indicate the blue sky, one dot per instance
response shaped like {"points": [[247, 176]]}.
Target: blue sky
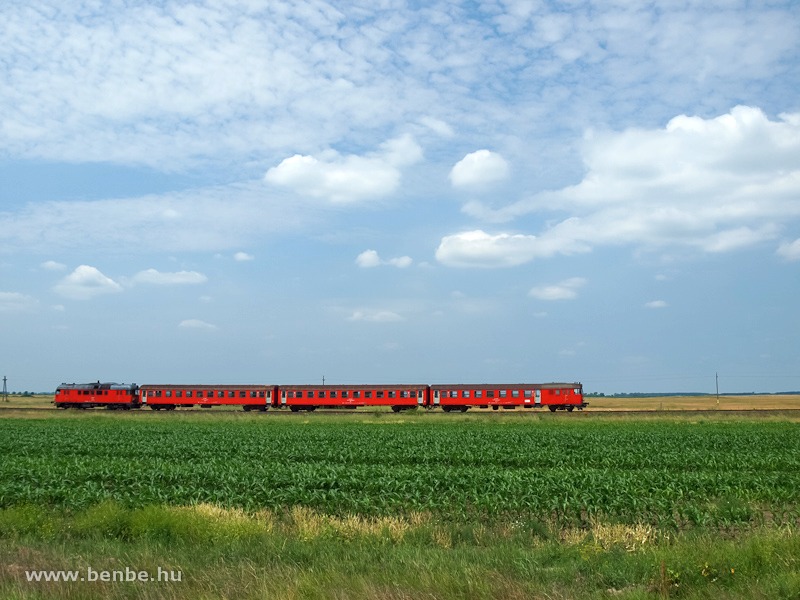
{"points": [[506, 190]]}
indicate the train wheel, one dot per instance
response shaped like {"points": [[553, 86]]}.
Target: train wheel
{"points": [[397, 409], [552, 408], [570, 408], [464, 408], [294, 408]]}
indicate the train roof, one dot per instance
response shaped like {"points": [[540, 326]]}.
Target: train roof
{"points": [[203, 386], [97, 386], [355, 386], [505, 386]]}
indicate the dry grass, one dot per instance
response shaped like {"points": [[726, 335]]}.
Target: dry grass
{"points": [[750, 402]]}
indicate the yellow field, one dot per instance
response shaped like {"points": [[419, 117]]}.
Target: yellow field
{"points": [[755, 402]]}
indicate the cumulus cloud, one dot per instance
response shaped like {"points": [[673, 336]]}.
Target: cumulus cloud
{"points": [[480, 249], [86, 282], [564, 290], [154, 277], [370, 259], [196, 324], [242, 257], [374, 316], [482, 166], [717, 184], [16, 302], [790, 250], [347, 179]]}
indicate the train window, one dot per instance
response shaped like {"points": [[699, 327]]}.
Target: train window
{"points": [[503, 393], [332, 393], [368, 394], [558, 392], [515, 393], [268, 394], [169, 394], [577, 391], [344, 393], [220, 394], [178, 394], [527, 393], [465, 394], [479, 393], [379, 394], [356, 394], [321, 394], [454, 394], [242, 394], [490, 393], [189, 393], [392, 394]]}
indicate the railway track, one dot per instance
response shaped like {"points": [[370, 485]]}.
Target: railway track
{"points": [[586, 413]]}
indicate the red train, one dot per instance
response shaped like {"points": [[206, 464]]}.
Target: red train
{"points": [[455, 397]]}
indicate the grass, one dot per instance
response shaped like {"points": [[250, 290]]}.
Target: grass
{"points": [[737, 546], [224, 553]]}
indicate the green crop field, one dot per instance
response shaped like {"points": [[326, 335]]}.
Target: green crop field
{"points": [[622, 501]]}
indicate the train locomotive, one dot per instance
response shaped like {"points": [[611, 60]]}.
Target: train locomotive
{"points": [[449, 398]]}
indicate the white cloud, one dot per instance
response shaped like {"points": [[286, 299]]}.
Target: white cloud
{"points": [[401, 262], [480, 249], [482, 166], [51, 265], [154, 277], [717, 184], [242, 257], [16, 302], [196, 324], [438, 126], [374, 316], [656, 304], [564, 290], [347, 179], [370, 259], [790, 250], [86, 282]]}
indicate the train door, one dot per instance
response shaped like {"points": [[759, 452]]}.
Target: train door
{"points": [[538, 397]]}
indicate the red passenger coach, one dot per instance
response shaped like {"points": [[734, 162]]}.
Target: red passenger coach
{"points": [[311, 397], [90, 395], [555, 396], [172, 396]]}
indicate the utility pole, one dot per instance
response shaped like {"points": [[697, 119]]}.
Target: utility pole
{"points": [[5, 389], [716, 376]]}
